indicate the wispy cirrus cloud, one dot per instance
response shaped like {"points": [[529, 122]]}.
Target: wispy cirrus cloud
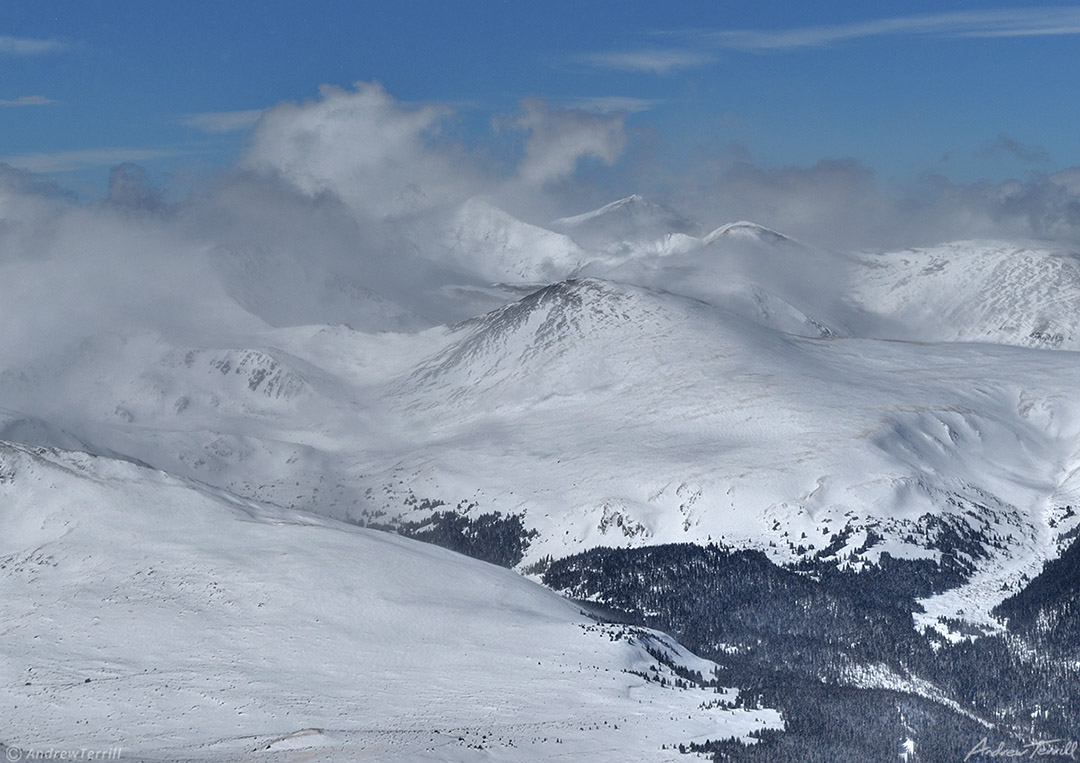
{"points": [[610, 104], [25, 100], [24, 46], [654, 61], [997, 23], [1006, 22], [68, 161], [222, 121]]}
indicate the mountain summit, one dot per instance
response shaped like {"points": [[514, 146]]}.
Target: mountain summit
{"points": [[624, 224]]}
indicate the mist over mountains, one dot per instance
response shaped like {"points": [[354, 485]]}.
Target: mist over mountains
{"points": [[229, 419]]}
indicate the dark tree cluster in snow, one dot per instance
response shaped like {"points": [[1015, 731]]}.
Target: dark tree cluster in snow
{"points": [[804, 640], [492, 537]]}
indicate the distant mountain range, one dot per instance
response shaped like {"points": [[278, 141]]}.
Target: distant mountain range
{"points": [[868, 446]]}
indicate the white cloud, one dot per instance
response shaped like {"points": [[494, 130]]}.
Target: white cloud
{"points": [[222, 121], [653, 61], [21, 46], [26, 100], [840, 203], [378, 156], [1009, 22], [559, 139]]}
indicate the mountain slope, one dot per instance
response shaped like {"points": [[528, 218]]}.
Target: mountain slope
{"points": [[620, 416], [184, 624], [975, 292], [604, 413], [753, 271], [484, 240], [627, 226]]}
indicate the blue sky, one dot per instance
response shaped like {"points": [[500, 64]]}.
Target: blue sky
{"points": [[966, 91]]}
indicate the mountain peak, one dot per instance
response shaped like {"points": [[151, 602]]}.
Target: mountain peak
{"points": [[489, 241], [624, 225], [624, 206], [745, 230]]}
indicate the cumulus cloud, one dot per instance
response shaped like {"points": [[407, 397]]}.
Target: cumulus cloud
{"points": [[19, 182], [559, 138], [833, 200], [840, 203], [69, 271], [384, 161], [1047, 207], [333, 216], [369, 150]]}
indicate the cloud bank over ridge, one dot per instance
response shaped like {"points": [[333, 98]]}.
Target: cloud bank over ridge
{"points": [[338, 204]]}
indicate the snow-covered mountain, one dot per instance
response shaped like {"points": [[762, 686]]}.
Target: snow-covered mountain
{"points": [[738, 392], [485, 240], [619, 382], [744, 230], [604, 413], [753, 271], [627, 226], [975, 291], [620, 416]]}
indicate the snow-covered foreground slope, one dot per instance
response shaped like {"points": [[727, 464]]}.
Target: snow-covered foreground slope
{"points": [[175, 622]]}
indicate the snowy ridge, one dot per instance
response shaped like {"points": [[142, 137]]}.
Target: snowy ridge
{"points": [[485, 240], [630, 203], [745, 230], [750, 270], [604, 413], [550, 334], [629, 218], [1018, 295], [653, 388], [630, 228]]}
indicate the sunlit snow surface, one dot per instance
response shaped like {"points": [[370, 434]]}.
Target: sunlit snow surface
{"points": [[621, 380], [606, 414], [144, 613]]}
